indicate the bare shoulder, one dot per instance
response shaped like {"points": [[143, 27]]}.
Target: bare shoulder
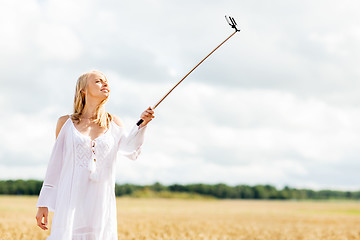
{"points": [[117, 120], [60, 123]]}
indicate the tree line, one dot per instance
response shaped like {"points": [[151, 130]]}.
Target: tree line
{"points": [[221, 190]]}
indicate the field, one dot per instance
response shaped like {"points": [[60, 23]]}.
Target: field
{"points": [[142, 219]]}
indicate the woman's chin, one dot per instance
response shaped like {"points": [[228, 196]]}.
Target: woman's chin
{"points": [[104, 96]]}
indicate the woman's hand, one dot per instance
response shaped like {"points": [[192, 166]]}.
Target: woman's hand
{"points": [[42, 213], [147, 116]]}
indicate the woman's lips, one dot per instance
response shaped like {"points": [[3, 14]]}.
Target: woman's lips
{"points": [[105, 90]]}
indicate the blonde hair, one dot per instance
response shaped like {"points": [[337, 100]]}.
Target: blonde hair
{"points": [[103, 118]]}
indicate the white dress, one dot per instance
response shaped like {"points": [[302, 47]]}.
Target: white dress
{"points": [[79, 186]]}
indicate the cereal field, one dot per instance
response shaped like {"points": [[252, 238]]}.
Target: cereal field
{"points": [[142, 219]]}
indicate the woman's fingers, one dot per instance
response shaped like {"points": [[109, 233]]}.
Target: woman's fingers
{"points": [[46, 218], [147, 115], [41, 225], [39, 217], [148, 112]]}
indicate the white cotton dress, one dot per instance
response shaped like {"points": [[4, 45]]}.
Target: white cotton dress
{"points": [[79, 185]]}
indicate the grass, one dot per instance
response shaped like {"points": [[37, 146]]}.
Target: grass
{"points": [[202, 219]]}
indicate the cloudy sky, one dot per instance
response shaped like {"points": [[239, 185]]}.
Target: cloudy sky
{"points": [[277, 104]]}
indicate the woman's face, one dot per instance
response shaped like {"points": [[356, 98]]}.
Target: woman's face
{"points": [[97, 86]]}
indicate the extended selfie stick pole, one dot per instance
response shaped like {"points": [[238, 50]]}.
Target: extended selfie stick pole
{"points": [[232, 23]]}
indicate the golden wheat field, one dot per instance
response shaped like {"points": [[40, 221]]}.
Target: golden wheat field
{"points": [[145, 219]]}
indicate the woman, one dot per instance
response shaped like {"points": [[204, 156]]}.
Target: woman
{"points": [[79, 186]]}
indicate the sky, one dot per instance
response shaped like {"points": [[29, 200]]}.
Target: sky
{"points": [[277, 104]]}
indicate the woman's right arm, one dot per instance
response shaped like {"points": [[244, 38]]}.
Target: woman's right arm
{"points": [[60, 123], [47, 197]]}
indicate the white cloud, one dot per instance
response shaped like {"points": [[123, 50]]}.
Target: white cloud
{"points": [[57, 42], [278, 103], [273, 132]]}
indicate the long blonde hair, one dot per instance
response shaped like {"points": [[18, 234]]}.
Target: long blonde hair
{"points": [[103, 118]]}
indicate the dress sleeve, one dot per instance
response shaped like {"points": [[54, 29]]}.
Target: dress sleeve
{"points": [[48, 192], [130, 144]]}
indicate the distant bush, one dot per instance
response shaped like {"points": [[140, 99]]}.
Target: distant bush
{"points": [[194, 191], [148, 193]]}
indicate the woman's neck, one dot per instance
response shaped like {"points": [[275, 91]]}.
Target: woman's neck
{"points": [[90, 109]]}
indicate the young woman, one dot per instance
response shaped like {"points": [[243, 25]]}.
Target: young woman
{"points": [[79, 185]]}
